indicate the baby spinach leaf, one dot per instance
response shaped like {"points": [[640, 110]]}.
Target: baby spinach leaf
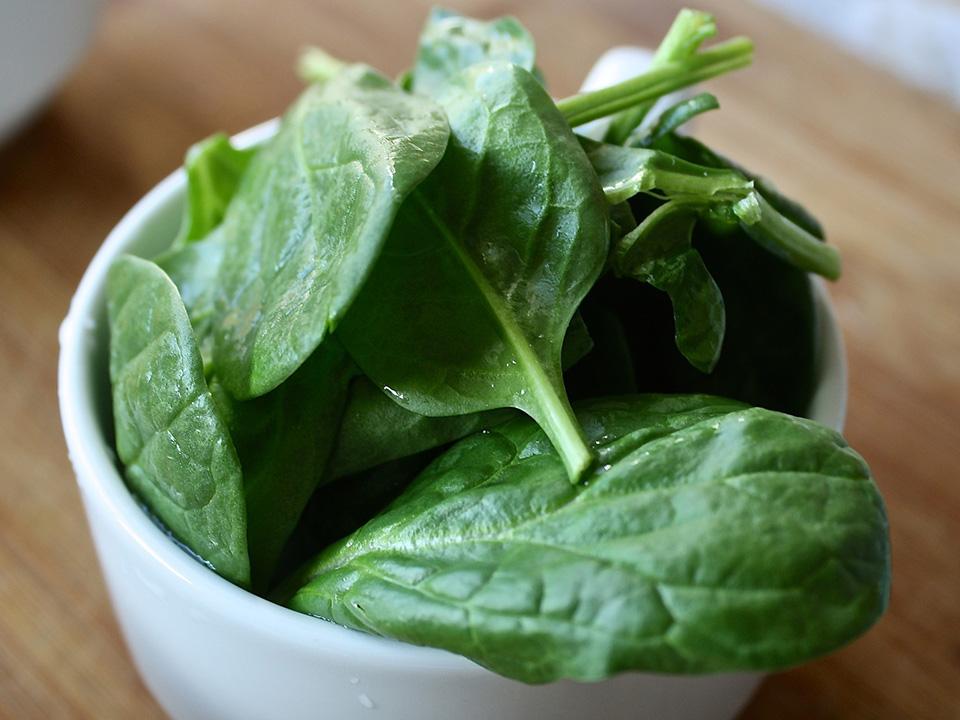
{"points": [[768, 356], [678, 114], [214, 169], [285, 439], [626, 171], [375, 429], [451, 42], [468, 305], [340, 507], [170, 435], [194, 269], [310, 217], [659, 252], [712, 537]]}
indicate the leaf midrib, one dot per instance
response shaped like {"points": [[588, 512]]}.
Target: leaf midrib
{"points": [[542, 386]]}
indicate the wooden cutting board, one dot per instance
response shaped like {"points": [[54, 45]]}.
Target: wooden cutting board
{"points": [[879, 163]]}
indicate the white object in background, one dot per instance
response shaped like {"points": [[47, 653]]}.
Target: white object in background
{"points": [[211, 651], [40, 40]]}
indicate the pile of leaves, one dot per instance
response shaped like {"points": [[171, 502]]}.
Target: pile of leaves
{"points": [[347, 383]]}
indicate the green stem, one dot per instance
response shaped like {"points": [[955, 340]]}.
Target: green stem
{"points": [[731, 55], [316, 66], [784, 238], [689, 29]]}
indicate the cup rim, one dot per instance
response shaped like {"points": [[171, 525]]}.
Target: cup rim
{"points": [[101, 483]]}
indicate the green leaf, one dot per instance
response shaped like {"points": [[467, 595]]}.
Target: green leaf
{"points": [[285, 440], [712, 538], [451, 42], [769, 346], [627, 171], [679, 114], [376, 429], [194, 269], [214, 170], [659, 252], [467, 308], [170, 434], [310, 218]]}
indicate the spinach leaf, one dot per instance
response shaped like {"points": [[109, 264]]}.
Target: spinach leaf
{"points": [[375, 429], [214, 169], [194, 269], [768, 356], [451, 42], [468, 305], [712, 537], [310, 217], [285, 440], [342, 506], [170, 435], [659, 252], [678, 114]]}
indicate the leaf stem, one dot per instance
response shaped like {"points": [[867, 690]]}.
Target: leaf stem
{"points": [[724, 57], [784, 238]]}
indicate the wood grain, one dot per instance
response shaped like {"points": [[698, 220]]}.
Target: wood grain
{"points": [[879, 163]]}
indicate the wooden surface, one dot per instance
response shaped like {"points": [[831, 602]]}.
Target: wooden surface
{"points": [[880, 165]]}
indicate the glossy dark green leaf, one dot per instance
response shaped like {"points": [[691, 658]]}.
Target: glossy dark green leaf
{"points": [[310, 218], [376, 429], [467, 308], [285, 440], [659, 252], [678, 114], [170, 434], [451, 42], [713, 537], [214, 169], [769, 348]]}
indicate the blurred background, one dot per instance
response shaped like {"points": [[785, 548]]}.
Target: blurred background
{"points": [[851, 106]]}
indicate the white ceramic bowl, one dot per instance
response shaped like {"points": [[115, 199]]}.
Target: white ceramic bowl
{"points": [[40, 40], [211, 651]]}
